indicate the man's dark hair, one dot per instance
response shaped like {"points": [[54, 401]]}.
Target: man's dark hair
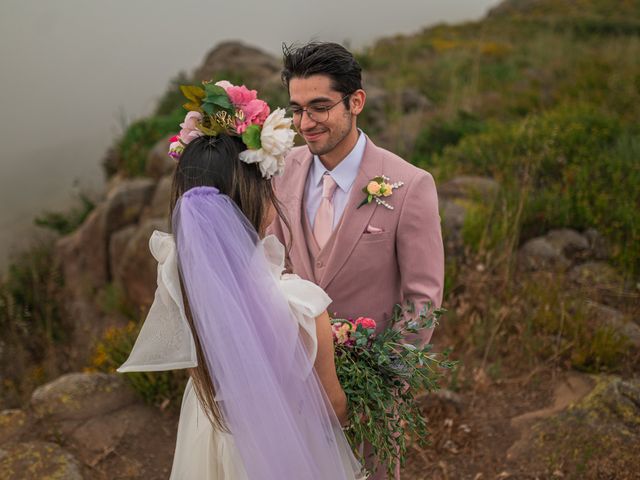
{"points": [[323, 58]]}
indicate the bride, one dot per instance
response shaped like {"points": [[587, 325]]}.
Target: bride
{"points": [[263, 400]]}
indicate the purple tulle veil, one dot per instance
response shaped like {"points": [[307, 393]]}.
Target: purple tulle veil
{"points": [[268, 392]]}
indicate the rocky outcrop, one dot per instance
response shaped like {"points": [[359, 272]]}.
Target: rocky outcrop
{"points": [[38, 460], [86, 425], [250, 63], [594, 438]]}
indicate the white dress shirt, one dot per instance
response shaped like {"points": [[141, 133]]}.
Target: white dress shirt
{"points": [[344, 174]]}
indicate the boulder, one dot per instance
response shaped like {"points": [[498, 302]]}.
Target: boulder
{"points": [[596, 275], [83, 256], [125, 203], [453, 214], [12, 424], [250, 63], [159, 163], [137, 271], [38, 460], [568, 242], [412, 100], [79, 396], [105, 432], [616, 320], [159, 206], [600, 248], [540, 254], [597, 437], [469, 187], [117, 245]]}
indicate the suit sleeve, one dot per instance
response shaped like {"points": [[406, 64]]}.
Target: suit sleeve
{"points": [[419, 247]]}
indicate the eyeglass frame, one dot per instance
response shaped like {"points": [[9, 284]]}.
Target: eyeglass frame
{"points": [[325, 110]]}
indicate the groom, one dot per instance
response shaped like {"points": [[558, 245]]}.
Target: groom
{"points": [[369, 258]]}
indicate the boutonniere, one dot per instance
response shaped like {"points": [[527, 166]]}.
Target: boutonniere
{"points": [[379, 188]]}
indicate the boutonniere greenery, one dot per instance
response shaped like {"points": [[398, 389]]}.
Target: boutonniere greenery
{"points": [[378, 189]]}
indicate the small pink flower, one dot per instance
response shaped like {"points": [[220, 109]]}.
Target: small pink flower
{"points": [[368, 323], [189, 127], [255, 113], [240, 95]]}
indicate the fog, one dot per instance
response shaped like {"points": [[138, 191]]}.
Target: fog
{"points": [[73, 73]]}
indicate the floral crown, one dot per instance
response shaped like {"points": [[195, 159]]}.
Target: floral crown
{"points": [[221, 107]]}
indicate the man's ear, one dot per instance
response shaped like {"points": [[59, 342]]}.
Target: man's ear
{"points": [[357, 100]]}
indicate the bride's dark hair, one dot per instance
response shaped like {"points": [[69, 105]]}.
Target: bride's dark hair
{"points": [[213, 162]]}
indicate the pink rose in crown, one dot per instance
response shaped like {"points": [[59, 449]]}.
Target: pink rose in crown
{"points": [[189, 127], [368, 323], [255, 111]]}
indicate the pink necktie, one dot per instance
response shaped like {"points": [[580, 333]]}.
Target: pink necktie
{"points": [[323, 224]]}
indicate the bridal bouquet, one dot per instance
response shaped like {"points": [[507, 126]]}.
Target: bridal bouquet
{"points": [[381, 374]]}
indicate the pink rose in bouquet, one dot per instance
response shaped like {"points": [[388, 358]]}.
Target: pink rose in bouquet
{"points": [[368, 323]]}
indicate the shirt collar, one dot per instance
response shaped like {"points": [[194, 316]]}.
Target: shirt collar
{"points": [[346, 171]]}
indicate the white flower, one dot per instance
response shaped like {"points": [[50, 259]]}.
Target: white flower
{"points": [[276, 138]]}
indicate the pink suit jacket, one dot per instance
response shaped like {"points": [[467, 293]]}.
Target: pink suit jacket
{"points": [[380, 257]]}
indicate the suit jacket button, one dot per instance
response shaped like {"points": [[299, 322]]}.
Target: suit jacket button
{"points": [[319, 264]]}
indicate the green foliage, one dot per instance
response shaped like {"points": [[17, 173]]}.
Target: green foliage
{"points": [[64, 223], [134, 146], [31, 323], [441, 133], [157, 388], [251, 137], [561, 327], [573, 167]]}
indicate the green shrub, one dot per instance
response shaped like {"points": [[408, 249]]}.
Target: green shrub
{"points": [[32, 326], [574, 166], [65, 223], [157, 388], [134, 146]]}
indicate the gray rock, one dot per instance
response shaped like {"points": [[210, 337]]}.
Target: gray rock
{"points": [[80, 396], [126, 201], [248, 62], [159, 206], [470, 187], [568, 242], [137, 271], [596, 275], [37, 461], [159, 163], [600, 248], [412, 100], [12, 424], [540, 254], [104, 433], [597, 437], [117, 245], [453, 214], [616, 320]]}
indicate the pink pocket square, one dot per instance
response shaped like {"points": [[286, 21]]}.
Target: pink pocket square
{"points": [[372, 229]]}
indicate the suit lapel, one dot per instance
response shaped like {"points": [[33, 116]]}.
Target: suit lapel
{"points": [[355, 220], [294, 205]]}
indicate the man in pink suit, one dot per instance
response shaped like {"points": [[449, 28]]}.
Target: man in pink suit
{"points": [[370, 258]]}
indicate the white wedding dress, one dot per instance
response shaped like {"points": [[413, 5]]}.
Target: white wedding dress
{"points": [[165, 342]]}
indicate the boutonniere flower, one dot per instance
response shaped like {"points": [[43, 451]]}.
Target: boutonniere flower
{"points": [[379, 188]]}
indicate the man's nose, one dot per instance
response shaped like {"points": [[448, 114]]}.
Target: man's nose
{"points": [[306, 121]]}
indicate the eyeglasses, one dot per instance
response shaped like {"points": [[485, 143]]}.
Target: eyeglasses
{"points": [[316, 113]]}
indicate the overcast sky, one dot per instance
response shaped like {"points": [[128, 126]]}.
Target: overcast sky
{"points": [[72, 70]]}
